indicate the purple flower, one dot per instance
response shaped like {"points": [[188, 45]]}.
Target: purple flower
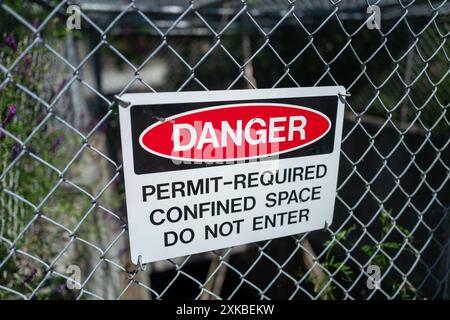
{"points": [[56, 143], [36, 22], [15, 150], [10, 115], [31, 149], [23, 68], [11, 42], [102, 127], [30, 276], [117, 181], [61, 287], [26, 62]]}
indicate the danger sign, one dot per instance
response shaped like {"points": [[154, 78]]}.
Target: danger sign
{"points": [[215, 169]]}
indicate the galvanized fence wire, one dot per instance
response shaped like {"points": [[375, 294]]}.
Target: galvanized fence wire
{"points": [[322, 276]]}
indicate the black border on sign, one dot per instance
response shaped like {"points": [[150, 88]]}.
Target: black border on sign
{"points": [[142, 116]]}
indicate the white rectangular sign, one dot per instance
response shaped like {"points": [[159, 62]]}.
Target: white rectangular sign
{"points": [[214, 169]]}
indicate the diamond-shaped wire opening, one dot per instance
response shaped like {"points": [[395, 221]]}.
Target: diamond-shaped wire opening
{"points": [[22, 177], [97, 286], [22, 276], [67, 204], [106, 227], [189, 277]]}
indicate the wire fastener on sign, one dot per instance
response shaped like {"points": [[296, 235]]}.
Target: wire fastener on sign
{"points": [[141, 266], [345, 94], [122, 103]]}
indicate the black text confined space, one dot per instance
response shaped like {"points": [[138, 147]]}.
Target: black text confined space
{"points": [[200, 210]]}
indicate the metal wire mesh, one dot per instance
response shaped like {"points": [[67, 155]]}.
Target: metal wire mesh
{"points": [[61, 187]]}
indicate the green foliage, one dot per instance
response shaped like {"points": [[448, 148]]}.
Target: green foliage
{"points": [[22, 116], [331, 263], [333, 266], [343, 271]]}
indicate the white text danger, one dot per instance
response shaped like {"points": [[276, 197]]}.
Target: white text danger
{"points": [[278, 129]]}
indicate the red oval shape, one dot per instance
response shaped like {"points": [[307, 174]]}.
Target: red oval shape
{"points": [[235, 132]]}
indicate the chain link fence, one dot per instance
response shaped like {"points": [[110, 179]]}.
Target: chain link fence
{"points": [[63, 231]]}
